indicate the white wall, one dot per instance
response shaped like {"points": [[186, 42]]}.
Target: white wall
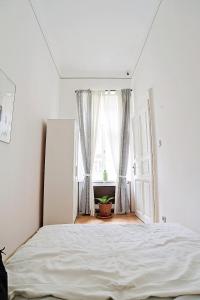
{"points": [[170, 66], [68, 87], [25, 59]]}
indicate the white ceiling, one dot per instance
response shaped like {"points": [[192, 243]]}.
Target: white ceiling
{"points": [[95, 38]]}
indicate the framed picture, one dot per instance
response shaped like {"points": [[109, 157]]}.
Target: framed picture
{"points": [[7, 98]]}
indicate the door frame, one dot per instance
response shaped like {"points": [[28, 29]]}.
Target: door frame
{"points": [[154, 154]]}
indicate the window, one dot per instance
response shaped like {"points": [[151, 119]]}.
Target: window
{"points": [[103, 158], [108, 134], [107, 142]]}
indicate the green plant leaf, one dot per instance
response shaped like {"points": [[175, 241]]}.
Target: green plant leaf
{"points": [[111, 198], [104, 199]]}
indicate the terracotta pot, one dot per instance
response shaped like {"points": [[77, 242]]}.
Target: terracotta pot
{"points": [[105, 209]]}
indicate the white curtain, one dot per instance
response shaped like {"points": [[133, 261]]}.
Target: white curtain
{"points": [[112, 109], [96, 98], [122, 204], [84, 105]]}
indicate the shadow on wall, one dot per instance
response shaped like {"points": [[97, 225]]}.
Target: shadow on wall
{"points": [[42, 168]]}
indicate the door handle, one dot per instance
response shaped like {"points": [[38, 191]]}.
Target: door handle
{"points": [[134, 168]]}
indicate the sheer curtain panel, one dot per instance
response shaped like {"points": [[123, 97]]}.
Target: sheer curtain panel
{"points": [[94, 128], [122, 204], [88, 114], [84, 107], [112, 108]]}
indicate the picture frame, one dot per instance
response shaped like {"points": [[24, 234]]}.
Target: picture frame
{"points": [[7, 99]]}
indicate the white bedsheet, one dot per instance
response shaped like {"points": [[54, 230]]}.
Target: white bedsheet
{"points": [[152, 298], [95, 262]]}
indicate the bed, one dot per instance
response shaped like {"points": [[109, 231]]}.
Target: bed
{"points": [[99, 262]]}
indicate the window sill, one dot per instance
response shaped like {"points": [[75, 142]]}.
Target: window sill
{"points": [[104, 183]]}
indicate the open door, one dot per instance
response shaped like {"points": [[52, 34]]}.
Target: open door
{"points": [[143, 165]]}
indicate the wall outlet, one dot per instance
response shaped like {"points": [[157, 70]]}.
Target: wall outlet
{"points": [[164, 219]]}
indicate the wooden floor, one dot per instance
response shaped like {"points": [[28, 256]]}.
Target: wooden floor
{"points": [[116, 219]]}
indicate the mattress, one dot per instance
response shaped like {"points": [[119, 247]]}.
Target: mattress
{"points": [[99, 262], [152, 298]]}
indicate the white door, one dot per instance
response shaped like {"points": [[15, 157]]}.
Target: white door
{"points": [[143, 173]]}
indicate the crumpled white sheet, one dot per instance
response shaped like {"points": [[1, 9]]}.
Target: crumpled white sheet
{"points": [[98, 262], [152, 298]]}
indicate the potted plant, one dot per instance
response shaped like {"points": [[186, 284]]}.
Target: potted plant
{"points": [[105, 206]]}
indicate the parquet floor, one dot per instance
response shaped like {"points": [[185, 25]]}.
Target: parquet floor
{"points": [[116, 219]]}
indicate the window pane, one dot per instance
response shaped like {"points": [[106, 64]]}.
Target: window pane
{"points": [[103, 156]]}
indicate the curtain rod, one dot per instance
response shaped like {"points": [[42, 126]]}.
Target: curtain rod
{"points": [[100, 90]]}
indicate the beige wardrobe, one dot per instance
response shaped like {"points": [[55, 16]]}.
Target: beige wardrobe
{"points": [[60, 185]]}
